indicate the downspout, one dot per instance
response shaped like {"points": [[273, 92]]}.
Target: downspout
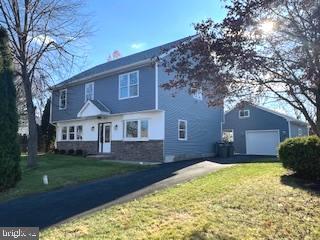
{"points": [[289, 128], [156, 86]]}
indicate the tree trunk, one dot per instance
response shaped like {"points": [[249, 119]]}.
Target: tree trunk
{"points": [[32, 125], [317, 125]]}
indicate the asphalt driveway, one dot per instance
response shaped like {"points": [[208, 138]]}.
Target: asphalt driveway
{"points": [[47, 209]]}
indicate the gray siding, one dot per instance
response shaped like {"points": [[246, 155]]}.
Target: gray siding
{"points": [[258, 120], [294, 129], [204, 123], [106, 90]]}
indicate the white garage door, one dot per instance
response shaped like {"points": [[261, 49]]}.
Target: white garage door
{"points": [[262, 142]]}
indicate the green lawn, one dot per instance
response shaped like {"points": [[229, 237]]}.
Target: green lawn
{"points": [[250, 201], [63, 170]]}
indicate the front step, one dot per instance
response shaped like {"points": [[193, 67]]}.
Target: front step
{"points": [[106, 156]]}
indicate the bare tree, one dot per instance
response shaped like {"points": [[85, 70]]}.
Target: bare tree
{"points": [[262, 49], [45, 36]]}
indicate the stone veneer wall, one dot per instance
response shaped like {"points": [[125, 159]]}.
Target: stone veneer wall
{"points": [[146, 151], [90, 147]]}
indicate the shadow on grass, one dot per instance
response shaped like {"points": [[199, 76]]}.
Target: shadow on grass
{"points": [[295, 181], [236, 159]]}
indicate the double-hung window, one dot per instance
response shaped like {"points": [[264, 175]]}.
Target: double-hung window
{"points": [[79, 132], [136, 129], [182, 130], [63, 99], [71, 133], [129, 85], [64, 133], [89, 91]]}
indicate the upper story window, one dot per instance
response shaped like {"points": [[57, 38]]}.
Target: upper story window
{"points": [[129, 85], [89, 91], [63, 99], [182, 130], [198, 95], [136, 129], [244, 113]]}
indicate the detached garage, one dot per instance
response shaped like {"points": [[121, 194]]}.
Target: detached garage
{"points": [[256, 130]]}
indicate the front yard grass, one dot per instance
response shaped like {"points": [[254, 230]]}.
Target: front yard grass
{"points": [[250, 201], [63, 170]]}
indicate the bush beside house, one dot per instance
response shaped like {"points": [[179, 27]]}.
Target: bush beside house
{"points": [[302, 155], [10, 172]]}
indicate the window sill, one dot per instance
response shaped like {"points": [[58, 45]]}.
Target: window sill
{"points": [[128, 97]]}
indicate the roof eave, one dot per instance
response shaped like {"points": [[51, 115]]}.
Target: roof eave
{"points": [[102, 74]]}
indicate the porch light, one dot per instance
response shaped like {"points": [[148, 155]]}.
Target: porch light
{"points": [[116, 127], [92, 128]]}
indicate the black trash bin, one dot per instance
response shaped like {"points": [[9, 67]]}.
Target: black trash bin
{"points": [[230, 149], [222, 150]]}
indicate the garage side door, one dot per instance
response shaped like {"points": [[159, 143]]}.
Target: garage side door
{"points": [[262, 142]]}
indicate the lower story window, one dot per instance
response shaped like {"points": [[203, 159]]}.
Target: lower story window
{"points": [[182, 130], [71, 133], [136, 129], [228, 135], [64, 133], [79, 132]]}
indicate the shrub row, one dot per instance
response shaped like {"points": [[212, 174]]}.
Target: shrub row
{"points": [[302, 155], [77, 152]]}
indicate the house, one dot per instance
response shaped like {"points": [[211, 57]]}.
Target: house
{"points": [[120, 109], [257, 130]]}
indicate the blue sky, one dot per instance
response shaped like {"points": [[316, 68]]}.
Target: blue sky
{"points": [[133, 26]]}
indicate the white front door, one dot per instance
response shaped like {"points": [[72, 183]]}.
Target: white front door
{"points": [[105, 138], [262, 142]]}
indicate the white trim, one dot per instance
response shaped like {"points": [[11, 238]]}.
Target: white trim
{"points": [[244, 110], [106, 116], [103, 74], [99, 112], [269, 130], [66, 98], [186, 130], [138, 138], [128, 85], [85, 91], [156, 85]]}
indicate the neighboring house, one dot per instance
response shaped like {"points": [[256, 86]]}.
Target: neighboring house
{"points": [[119, 108], [257, 130]]}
